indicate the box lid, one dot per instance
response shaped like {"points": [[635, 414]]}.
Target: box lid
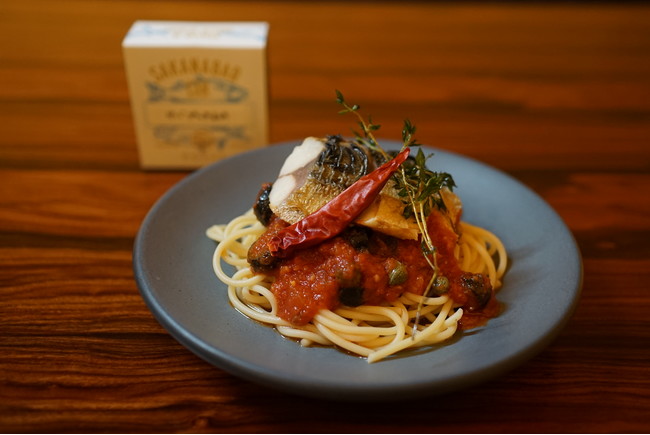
{"points": [[234, 34]]}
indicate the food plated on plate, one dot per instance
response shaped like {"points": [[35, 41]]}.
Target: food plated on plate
{"points": [[360, 248]]}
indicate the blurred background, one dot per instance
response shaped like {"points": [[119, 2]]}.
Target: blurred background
{"points": [[482, 79]]}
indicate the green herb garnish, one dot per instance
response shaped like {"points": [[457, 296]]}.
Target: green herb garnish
{"points": [[417, 186]]}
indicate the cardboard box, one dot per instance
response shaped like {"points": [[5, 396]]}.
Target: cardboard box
{"points": [[198, 90]]}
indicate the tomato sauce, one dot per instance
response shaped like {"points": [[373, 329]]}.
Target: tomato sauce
{"points": [[474, 319], [318, 277], [313, 278]]}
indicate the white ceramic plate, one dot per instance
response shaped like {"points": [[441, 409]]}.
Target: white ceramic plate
{"points": [[172, 266]]}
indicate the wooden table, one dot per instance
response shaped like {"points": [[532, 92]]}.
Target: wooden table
{"points": [[556, 95]]}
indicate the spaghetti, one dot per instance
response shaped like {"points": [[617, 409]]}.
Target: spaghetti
{"points": [[374, 332]]}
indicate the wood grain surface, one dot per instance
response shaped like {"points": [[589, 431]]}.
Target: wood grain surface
{"points": [[555, 94]]}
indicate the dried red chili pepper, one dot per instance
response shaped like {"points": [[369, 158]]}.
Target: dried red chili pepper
{"points": [[331, 219]]}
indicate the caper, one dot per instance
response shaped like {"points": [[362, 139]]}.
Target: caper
{"points": [[441, 285], [398, 274]]}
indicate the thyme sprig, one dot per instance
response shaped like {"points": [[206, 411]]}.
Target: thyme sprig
{"points": [[417, 185], [367, 127]]}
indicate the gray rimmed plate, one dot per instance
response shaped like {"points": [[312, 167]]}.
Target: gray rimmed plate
{"points": [[172, 266]]}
